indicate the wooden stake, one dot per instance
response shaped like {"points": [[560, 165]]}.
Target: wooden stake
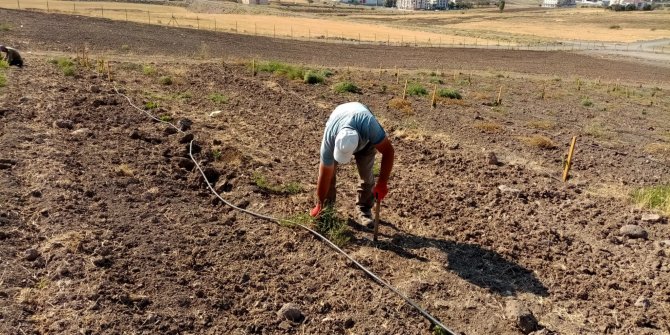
{"points": [[380, 71], [253, 67], [544, 87], [397, 75], [109, 71], [433, 102], [376, 231], [499, 93], [404, 91], [568, 163]]}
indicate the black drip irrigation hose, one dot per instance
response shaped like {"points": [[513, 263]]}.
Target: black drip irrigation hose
{"points": [[438, 326]]}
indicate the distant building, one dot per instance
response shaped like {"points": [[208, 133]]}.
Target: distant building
{"points": [[638, 3], [255, 2], [421, 4], [372, 2], [410, 4], [558, 3]]}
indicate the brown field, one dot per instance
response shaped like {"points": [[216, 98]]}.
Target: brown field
{"points": [[106, 226], [481, 27]]}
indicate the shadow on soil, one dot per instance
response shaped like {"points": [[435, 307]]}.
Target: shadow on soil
{"points": [[481, 267]]}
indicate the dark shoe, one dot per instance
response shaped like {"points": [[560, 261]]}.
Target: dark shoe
{"points": [[365, 218]]}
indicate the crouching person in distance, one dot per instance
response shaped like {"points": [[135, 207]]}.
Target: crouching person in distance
{"points": [[12, 56], [352, 130]]}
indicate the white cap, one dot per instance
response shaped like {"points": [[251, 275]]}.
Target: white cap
{"points": [[346, 143]]}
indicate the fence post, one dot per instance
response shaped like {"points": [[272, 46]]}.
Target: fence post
{"points": [[149, 14], [197, 19], [47, 6], [18, 4], [126, 14], [102, 11], [215, 25]]}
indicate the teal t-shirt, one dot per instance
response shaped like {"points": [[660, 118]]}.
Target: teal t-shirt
{"points": [[352, 115]]}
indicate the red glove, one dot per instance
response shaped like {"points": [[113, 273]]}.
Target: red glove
{"points": [[315, 211], [380, 191]]}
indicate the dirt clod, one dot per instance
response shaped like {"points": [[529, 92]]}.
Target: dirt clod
{"points": [[492, 159], [650, 217], [186, 138], [184, 124], [643, 302], [291, 312], [31, 255], [67, 124], [522, 316], [633, 231], [184, 163], [349, 323]]}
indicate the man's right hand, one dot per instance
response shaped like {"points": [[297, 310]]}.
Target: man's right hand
{"points": [[315, 211]]}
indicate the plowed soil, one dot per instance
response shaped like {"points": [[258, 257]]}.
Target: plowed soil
{"points": [[107, 228]]}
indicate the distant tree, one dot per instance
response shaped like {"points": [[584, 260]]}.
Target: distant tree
{"points": [[389, 3], [501, 5]]}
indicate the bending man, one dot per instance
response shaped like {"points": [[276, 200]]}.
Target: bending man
{"points": [[352, 130]]}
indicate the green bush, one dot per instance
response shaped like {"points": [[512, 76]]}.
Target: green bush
{"points": [[654, 197], [218, 98], [333, 227], [436, 80], [586, 102], [5, 27], [416, 89], [66, 65], [151, 105], [165, 80], [266, 186], [327, 73], [69, 71], [148, 70], [346, 86], [3, 64], [3, 80], [165, 118], [312, 77], [449, 93], [286, 70]]}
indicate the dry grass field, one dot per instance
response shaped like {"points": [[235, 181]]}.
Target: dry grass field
{"points": [[481, 27]]}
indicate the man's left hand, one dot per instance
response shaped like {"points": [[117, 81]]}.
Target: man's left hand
{"points": [[380, 190]]}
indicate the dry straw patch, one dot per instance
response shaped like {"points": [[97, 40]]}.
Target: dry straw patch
{"points": [[539, 141], [401, 105], [542, 124], [488, 127], [609, 190], [658, 148]]}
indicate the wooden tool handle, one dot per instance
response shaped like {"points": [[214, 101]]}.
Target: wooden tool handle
{"points": [[377, 205]]}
